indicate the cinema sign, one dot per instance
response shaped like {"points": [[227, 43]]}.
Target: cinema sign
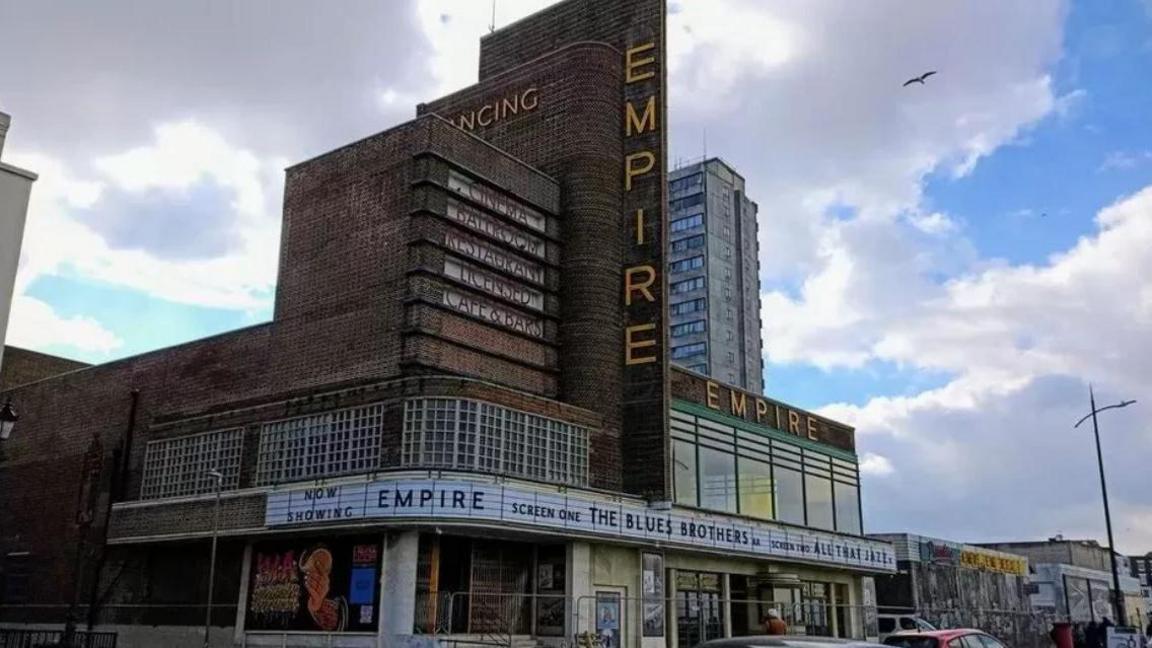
{"points": [[457, 499]]}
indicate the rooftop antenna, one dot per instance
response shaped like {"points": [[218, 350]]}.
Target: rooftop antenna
{"points": [[705, 144], [492, 25]]}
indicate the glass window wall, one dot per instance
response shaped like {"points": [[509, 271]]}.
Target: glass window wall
{"points": [[721, 467]]}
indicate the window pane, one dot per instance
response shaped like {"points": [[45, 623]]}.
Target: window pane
{"points": [[684, 471], [717, 480], [973, 641], [789, 496], [472, 435], [989, 642], [755, 489], [819, 493], [847, 508], [179, 466]]}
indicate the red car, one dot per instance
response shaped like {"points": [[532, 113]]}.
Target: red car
{"points": [[960, 638]]}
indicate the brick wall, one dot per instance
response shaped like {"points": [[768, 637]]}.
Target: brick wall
{"points": [[21, 366], [575, 136]]}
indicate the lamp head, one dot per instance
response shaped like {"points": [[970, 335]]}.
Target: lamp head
{"points": [[8, 418]]}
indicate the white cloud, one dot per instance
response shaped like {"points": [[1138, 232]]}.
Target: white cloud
{"points": [[1124, 160], [453, 29], [34, 324], [876, 465], [934, 223], [1021, 341], [61, 239]]}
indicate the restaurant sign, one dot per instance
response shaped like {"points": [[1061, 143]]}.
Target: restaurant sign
{"points": [[565, 513]]}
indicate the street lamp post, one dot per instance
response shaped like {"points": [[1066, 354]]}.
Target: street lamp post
{"points": [[8, 418], [1118, 601], [219, 477]]}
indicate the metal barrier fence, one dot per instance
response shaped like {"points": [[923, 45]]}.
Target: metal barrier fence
{"points": [[20, 638], [558, 620]]}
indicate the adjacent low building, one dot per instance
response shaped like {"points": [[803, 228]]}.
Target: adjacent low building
{"points": [[15, 192], [956, 585], [1073, 580], [1140, 568]]}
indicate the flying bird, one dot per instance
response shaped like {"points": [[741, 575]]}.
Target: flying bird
{"points": [[919, 79]]}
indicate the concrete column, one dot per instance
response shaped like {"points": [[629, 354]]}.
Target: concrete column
{"points": [[398, 585], [726, 603], [581, 609], [242, 608]]}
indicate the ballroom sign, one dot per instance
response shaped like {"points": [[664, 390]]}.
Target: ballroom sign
{"points": [[565, 513]]}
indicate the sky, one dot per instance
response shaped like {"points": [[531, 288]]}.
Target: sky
{"points": [[946, 267]]}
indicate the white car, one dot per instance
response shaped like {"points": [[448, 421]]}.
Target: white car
{"points": [[890, 623]]}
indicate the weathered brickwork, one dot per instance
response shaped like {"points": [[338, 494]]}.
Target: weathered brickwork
{"points": [[21, 366], [574, 135]]}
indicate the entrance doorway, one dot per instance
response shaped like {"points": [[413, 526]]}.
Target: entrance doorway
{"points": [[489, 587], [699, 608]]}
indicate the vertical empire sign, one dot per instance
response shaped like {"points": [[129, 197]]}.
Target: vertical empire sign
{"points": [[643, 221]]}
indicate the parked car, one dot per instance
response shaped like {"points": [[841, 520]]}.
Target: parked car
{"points": [[959, 638], [892, 623], [786, 641]]}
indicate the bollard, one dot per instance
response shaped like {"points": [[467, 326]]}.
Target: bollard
{"points": [[1062, 634]]}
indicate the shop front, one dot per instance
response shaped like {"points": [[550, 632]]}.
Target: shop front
{"points": [[487, 559]]}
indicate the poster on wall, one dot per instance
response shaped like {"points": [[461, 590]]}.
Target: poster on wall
{"points": [[320, 585], [652, 571], [608, 619], [550, 586], [1079, 601], [1101, 600], [871, 619]]}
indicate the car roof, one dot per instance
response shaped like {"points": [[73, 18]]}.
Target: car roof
{"points": [[946, 635], [786, 641]]}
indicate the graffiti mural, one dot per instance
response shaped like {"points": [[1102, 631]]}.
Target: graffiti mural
{"points": [[317, 585]]}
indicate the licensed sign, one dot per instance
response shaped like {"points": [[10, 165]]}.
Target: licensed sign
{"points": [[459, 499]]}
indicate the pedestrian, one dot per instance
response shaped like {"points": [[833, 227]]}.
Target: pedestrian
{"points": [[1104, 625], [1092, 635], [773, 624], [1079, 639]]}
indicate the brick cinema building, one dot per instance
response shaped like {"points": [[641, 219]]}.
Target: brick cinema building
{"points": [[461, 419]]}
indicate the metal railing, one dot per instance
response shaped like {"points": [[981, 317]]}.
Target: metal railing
{"points": [[499, 619], [27, 638]]}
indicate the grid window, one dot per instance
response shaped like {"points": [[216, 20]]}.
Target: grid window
{"points": [[473, 435], [688, 285], [690, 243], [321, 445], [688, 328], [690, 306], [177, 467], [693, 181], [687, 223], [687, 350], [686, 202], [690, 263]]}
